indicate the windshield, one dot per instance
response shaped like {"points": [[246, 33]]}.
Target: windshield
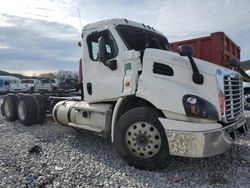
{"points": [[27, 81], [140, 39], [1, 82]]}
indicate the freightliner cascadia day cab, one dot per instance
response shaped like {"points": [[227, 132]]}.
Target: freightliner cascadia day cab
{"points": [[151, 101]]}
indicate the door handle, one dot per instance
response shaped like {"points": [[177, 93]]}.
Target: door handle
{"points": [[89, 88]]}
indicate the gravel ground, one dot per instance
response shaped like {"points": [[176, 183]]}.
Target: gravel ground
{"points": [[51, 155]]}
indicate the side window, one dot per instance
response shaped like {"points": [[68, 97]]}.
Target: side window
{"points": [[94, 49], [111, 46], [6, 83]]}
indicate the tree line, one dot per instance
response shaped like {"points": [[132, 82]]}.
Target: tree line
{"points": [[61, 75]]}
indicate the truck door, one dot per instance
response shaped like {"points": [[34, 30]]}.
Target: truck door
{"points": [[100, 82]]}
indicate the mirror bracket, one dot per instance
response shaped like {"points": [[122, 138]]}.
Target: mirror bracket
{"points": [[187, 50], [112, 64], [234, 63]]}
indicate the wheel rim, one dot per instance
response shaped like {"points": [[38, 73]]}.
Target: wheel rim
{"points": [[143, 139], [246, 103], [7, 107], [21, 110]]}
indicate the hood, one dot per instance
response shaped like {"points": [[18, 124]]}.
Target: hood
{"points": [[177, 60]]}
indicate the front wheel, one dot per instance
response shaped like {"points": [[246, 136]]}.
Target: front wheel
{"points": [[140, 139]]}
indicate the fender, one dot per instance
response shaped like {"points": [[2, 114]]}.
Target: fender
{"points": [[114, 116]]}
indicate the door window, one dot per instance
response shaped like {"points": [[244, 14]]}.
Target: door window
{"points": [[111, 46]]}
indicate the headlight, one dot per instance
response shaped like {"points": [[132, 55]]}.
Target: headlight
{"points": [[198, 107]]}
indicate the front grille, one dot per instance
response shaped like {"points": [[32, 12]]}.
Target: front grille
{"points": [[234, 106]]}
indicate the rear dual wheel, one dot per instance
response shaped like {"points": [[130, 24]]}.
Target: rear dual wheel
{"points": [[31, 109], [8, 108], [140, 139], [28, 109], [40, 101]]}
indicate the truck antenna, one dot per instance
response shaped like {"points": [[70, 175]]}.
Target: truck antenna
{"points": [[79, 18]]}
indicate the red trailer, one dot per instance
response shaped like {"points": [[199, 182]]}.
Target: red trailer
{"points": [[217, 48]]}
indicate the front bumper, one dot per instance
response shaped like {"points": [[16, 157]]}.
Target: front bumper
{"points": [[201, 143]]}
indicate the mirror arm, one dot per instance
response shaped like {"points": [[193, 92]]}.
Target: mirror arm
{"points": [[112, 64], [105, 63], [197, 76]]}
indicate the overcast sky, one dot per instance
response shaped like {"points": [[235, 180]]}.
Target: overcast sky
{"points": [[42, 35]]}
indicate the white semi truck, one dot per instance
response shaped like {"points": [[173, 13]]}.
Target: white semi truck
{"points": [[152, 102]]}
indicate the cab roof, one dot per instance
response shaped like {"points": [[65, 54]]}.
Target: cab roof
{"points": [[118, 21]]}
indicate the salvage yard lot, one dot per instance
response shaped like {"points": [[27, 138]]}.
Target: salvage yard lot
{"points": [[51, 155]]}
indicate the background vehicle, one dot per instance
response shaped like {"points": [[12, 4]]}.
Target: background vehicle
{"points": [[26, 86], [151, 101], [47, 85], [69, 84], [5, 82], [219, 49]]}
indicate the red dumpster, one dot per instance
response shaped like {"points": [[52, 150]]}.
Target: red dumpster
{"points": [[217, 48]]}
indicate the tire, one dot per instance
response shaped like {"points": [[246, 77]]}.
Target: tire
{"points": [[53, 103], [26, 110], [8, 108], [40, 108], [246, 100], [140, 139]]}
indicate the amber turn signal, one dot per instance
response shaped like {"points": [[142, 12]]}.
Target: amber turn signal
{"points": [[127, 84]]}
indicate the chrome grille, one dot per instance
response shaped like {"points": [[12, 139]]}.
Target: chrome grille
{"points": [[234, 101]]}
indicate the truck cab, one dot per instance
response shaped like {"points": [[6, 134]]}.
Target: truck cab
{"points": [[150, 101], [153, 102]]}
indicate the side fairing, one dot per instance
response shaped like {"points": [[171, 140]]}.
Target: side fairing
{"points": [[166, 91]]}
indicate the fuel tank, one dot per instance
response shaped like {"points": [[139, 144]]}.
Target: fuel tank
{"points": [[83, 115]]}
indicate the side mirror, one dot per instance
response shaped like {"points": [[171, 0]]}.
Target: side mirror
{"points": [[79, 44], [102, 56], [234, 63], [186, 50]]}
